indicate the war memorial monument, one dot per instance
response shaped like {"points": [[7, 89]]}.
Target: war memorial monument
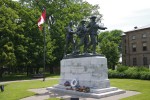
{"points": [[84, 73]]}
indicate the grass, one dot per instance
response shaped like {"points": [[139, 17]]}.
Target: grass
{"points": [[142, 86], [18, 90]]}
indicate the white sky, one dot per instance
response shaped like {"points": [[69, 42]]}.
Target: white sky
{"points": [[124, 14]]}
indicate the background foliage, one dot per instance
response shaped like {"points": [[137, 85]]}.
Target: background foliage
{"points": [[21, 43], [130, 72], [109, 43]]}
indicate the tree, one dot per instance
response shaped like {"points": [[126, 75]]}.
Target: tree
{"points": [[110, 50], [21, 41], [8, 27], [63, 11], [109, 43]]}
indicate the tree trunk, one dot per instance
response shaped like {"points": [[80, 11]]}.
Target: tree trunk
{"points": [[1, 72], [1, 76], [51, 70], [27, 70], [37, 70], [113, 67]]}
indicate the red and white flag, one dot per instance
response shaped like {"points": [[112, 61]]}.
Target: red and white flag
{"points": [[42, 19]]}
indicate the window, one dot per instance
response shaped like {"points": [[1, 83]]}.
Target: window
{"points": [[144, 46], [134, 62], [143, 35], [134, 47], [125, 40], [145, 61], [133, 37]]}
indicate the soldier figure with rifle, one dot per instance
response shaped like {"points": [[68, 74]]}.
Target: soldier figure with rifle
{"points": [[92, 30], [82, 34]]}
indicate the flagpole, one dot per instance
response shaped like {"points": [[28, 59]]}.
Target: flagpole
{"points": [[44, 52], [41, 20]]}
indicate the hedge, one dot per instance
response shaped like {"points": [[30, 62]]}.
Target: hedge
{"points": [[130, 72]]}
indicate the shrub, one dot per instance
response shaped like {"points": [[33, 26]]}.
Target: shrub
{"points": [[112, 73], [130, 72], [121, 75], [142, 69], [121, 68], [145, 75]]}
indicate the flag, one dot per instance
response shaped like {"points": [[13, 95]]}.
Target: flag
{"points": [[42, 19]]}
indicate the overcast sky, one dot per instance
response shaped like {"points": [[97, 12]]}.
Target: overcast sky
{"points": [[124, 14]]}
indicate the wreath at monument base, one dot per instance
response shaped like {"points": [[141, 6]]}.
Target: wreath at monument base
{"points": [[83, 89], [67, 83], [74, 85]]}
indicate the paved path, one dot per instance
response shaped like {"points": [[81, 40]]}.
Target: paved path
{"points": [[5, 82], [43, 94]]}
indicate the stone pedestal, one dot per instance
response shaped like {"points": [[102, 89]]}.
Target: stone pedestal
{"points": [[88, 71]]}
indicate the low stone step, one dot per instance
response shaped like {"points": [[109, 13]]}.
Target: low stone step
{"points": [[90, 95], [103, 90], [107, 94]]}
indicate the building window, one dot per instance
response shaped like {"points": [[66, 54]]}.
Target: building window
{"points": [[143, 35], [133, 37], [145, 61], [144, 46], [134, 62], [134, 47]]}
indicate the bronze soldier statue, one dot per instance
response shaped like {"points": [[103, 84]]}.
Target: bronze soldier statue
{"points": [[82, 34], [92, 30], [69, 38]]}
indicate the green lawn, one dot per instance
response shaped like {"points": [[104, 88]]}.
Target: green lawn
{"points": [[142, 86], [18, 90]]}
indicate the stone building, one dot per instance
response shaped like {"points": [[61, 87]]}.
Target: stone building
{"points": [[136, 47]]}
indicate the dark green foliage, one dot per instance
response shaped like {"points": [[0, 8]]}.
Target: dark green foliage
{"points": [[121, 68], [21, 42], [112, 73], [145, 75], [130, 72], [109, 46], [63, 11]]}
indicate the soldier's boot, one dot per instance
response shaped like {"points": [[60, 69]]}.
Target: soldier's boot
{"points": [[94, 49]]}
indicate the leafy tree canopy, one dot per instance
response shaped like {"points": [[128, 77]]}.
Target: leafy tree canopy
{"points": [[109, 45], [21, 43]]}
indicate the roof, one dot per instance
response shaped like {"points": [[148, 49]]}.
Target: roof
{"points": [[139, 28]]}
